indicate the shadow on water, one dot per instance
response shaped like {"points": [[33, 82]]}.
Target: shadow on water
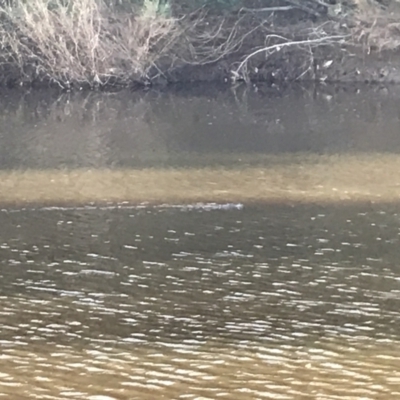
{"points": [[290, 291]]}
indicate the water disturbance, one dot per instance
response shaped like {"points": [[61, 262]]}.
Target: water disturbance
{"points": [[216, 245]]}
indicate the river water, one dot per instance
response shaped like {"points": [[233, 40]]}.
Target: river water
{"points": [[204, 244]]}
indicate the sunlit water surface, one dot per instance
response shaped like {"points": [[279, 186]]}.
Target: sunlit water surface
{"points": [[237, 245]]}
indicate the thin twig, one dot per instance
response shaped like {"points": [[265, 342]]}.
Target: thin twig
{"points": [[268, 9], [278, 46]]}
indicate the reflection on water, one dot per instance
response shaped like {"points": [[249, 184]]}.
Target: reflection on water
{"points": [[123, 130], [238, 244], [245, 303]]}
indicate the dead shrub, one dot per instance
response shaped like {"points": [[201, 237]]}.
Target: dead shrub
{"points": [[85, 41], [377, 29]]}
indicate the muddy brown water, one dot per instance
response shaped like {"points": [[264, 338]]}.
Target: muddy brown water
{"points": [[230, 244]]}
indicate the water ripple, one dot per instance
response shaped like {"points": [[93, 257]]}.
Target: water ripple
{"points": [[226, 311]]}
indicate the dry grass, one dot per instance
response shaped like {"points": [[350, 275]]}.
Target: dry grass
{"points": [[90, 42], [377, 27], [378, 31], [85, 41]]}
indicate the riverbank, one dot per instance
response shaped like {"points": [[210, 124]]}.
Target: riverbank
{"points": [[94, 44]]}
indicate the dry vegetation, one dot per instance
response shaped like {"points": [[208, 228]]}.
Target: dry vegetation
{"points": [[95, 43], [377, 27], [85, 41]]}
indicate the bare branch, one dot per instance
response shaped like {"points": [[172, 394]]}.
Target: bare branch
{"points": [[268, 9], [287, 43]]}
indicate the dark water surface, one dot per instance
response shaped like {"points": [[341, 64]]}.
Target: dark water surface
{"points": [[193, 128], [253, 300]]}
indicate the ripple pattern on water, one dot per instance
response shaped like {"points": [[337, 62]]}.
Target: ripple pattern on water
{"points": [[326, 370], [252, 303]]}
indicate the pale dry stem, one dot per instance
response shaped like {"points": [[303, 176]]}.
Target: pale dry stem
{"points": [[276, 43]]}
